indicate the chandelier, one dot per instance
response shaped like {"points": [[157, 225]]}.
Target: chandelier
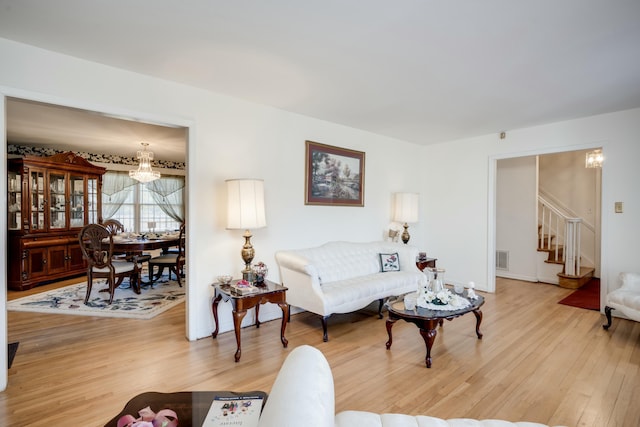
{"points": [[144, 173], [594, 159]]}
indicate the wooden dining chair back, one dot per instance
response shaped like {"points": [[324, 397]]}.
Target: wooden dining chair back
{"points": [[114, 226], [174, 261], [96, 243]]}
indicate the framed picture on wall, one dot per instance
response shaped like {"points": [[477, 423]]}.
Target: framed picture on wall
{"points": [[333, 176]]}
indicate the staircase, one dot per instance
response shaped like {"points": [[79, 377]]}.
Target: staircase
{"points": [[555, 226]]}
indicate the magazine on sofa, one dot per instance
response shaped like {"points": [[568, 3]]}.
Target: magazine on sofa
{"points": [[238, 411]]}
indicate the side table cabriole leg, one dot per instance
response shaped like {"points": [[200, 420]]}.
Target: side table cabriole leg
{"points": [[237, 322], [478, 315], [214, 308], [285, 316]]}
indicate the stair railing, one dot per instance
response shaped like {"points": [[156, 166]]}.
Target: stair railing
{"points": [[566, 229]]}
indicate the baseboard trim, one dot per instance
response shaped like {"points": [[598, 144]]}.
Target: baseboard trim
{"points": [[517, 277]]}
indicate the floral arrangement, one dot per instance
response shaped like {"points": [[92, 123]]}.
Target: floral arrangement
{"points": [[148, 418], [442, 297], [260, 270], [243, 284]]}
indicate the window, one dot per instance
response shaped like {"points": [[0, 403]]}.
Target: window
{"points": [[141, 207], [141, 214]]}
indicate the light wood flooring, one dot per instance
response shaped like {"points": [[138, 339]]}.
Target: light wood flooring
{"points": [[538, 361]]}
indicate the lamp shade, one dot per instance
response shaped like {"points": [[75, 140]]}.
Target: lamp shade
{"points": [[406, 207], [245, 204]]}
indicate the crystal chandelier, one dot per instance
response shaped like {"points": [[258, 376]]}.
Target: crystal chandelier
{"points": [[594, 159], [144, 173]]}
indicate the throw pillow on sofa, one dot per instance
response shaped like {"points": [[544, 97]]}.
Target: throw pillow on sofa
{"points": [[390, 262]]}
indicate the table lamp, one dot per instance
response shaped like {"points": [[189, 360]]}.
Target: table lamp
{"points": [[406, 211], [245, 210]]}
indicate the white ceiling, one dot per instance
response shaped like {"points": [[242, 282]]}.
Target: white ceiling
{"points": [[44, 125], [423, 71]]}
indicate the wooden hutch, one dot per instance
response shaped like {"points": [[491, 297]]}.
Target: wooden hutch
{"points": [[49, 200]]}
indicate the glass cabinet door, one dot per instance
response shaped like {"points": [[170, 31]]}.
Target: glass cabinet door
{"points": [[14, 201], [92, 199], [37, 197], [77, 205], [57, 201]]}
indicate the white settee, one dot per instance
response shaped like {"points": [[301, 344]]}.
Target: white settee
{"points": [[626, 298], [341, 277], [303, 395]]}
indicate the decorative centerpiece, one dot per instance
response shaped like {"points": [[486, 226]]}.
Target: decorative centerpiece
{"points": [[435, 296], [225, 279], [260, 271]]}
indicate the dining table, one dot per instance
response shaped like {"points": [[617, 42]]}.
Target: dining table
{"points": [[133, 246]]}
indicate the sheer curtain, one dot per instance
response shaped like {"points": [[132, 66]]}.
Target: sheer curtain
{"points": [[114, 195], [168, 193]]}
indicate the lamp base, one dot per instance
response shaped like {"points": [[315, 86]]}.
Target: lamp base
{"points": [[405, 234], [247, 256]]}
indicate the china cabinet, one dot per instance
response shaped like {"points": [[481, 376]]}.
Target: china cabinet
{"points": [[49, 200]]}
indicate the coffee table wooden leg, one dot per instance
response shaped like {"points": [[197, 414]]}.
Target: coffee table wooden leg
{"points": [[285, 316], [390, 322], [237, 321], [429, 336], [478, 315]]}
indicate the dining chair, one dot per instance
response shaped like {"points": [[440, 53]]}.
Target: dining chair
{"points": [[116, 227], [174, 261], [96, 243]]}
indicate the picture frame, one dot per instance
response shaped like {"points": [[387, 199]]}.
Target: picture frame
{"points": [[334, 176]]}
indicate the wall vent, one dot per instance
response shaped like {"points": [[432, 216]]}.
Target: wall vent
{"points": [[502, 260]]}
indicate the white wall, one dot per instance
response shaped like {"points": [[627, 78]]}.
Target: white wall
{"points": [[516, 216], [228, 138], [461, 205], [232, 138]]}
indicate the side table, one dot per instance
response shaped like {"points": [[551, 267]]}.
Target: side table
{"points": [[269, 292], [424, 263]]}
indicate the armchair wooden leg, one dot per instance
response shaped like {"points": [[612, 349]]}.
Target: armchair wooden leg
{"points": [[607, 312], [380, 305]]}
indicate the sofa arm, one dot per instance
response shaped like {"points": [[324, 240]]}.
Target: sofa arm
{"points": [[302, 394], [297, 263]]}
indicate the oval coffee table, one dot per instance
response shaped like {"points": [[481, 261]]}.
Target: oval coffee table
{"points": [[427, 320]]}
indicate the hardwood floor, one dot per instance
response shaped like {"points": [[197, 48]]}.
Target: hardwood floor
{"points": [[538, 361]]}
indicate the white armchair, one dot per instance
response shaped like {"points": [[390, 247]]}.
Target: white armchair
{"points": [[626, 298]]}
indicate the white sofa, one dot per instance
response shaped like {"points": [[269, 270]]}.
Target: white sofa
{"points": [[626, 299], [342, 277], [303, 395]]}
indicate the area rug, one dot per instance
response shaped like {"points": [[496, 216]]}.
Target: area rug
{"points": [[588, 296], [70, 300]]}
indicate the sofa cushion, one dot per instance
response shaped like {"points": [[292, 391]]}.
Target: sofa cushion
{"points": [[348, 295], [341, 260], [389, 262]]}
